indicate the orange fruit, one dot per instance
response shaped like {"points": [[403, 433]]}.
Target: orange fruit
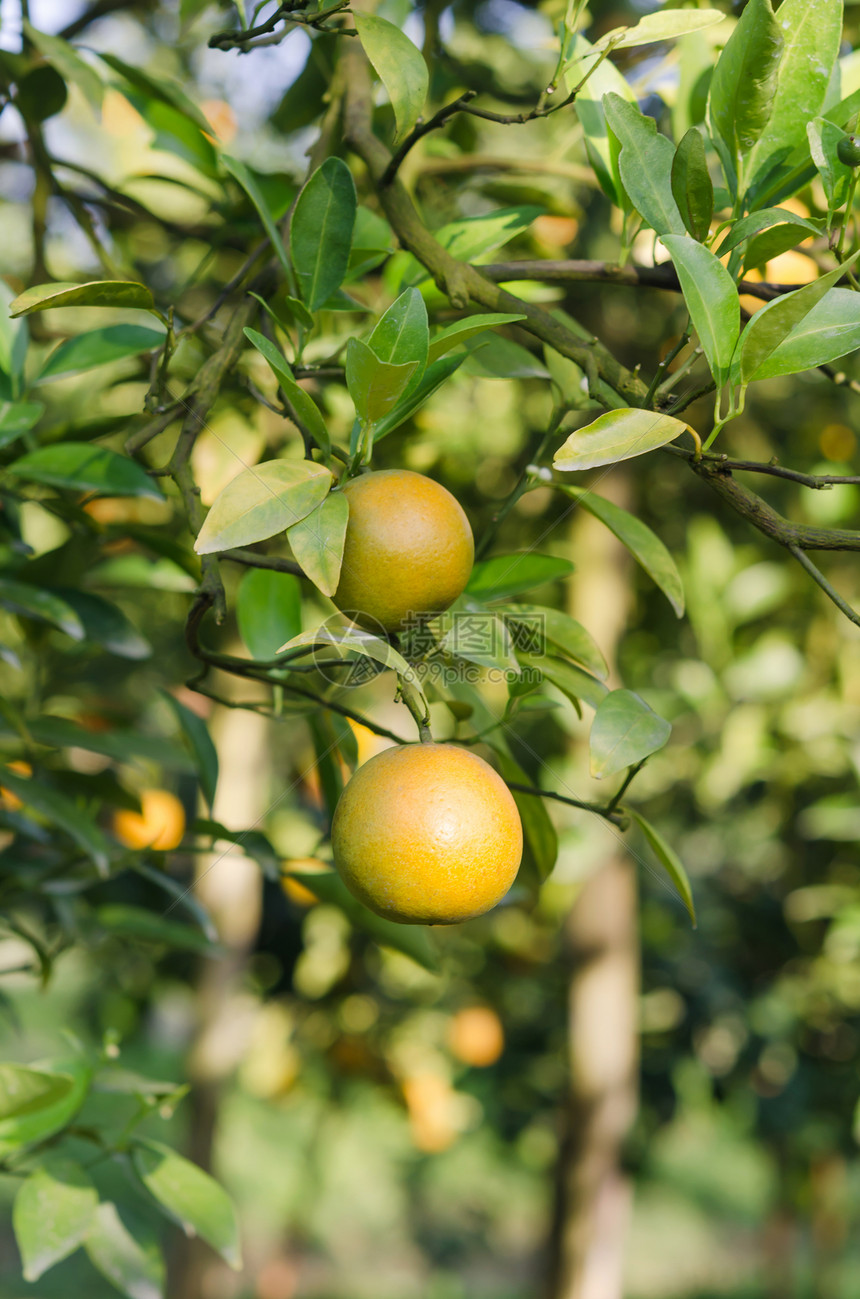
{"points": [[409, 548], [159, 824], [427, 834], [11, 802], [295, 890], [476, 1036]]}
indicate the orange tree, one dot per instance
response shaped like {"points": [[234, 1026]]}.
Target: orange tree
{"points": [[335, 301]]}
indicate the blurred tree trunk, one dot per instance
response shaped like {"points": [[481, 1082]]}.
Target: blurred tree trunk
{"points": [[593, 1195], [229, 886]]}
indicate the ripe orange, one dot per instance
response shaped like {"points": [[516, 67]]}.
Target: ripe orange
{"points": [[159, 824], [409, 548], [427, 834], [476, 1036]]}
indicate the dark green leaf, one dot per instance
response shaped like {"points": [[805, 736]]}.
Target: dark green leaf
{"points": [[413, 941], [41, 93], [95, 293], [572, 681], [645, 547], [133, 1265], [17, 419], [162, 89], [762, 220], [321, 231], [711, 297], [624, 731], [645, 164], [670, 861], [540, 841], [268, 610], [98, 347], [538, 625], [105, 624], [501, 358], [744, 85], [68, 62], [506, 575], [811, 31], [692, 185], [150, 927], [374, 385], [51, 1215], [199, 742], [183, 898], [34, 602], [246, 179], [285, 310], [617, 435], [318, 540], [63, 813], [261, 502], [829, 331], [836, 176], [190, 1197], [402, 335], [122, 744], [461, 330], [253, 844], [400, 66], [80, 466], [769, 244]]}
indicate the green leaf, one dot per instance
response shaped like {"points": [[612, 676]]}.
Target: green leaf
{"points": [[247, 181], [645, 164], [645, 547], [95, 293], [51, 1215], [624, 731], [572, 681], [374, 385], [669, 860], [163, 89], [835, 176], [665, 25], [751, 225], [774, 322], [535, 625], [261, 502], [104, 624], [122, 744], [80, 466], [190, 1197], [711, 296], [285, 310], [41, 93], [413, 941], [63, 813], [302, 403], [540, 841], [36, 1103], [769, 244], [351, 639], [199, 742], [617, 435], [811, 32], [400, 66], [829, 331], [253, 844], [17, 419], [68, 62], [505, 575], [134, 1266], [321, 231], [268, 610], [402, 335], [34, 602], [603, 79], [414, 398], [461, 330], [692, 185], [150, 927], [472, 239], [502, 358], [476, 635], [744, 85], [317, 541], [99, 347], [14, 340]]}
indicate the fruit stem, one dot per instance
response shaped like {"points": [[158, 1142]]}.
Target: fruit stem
{"points": [[417, 705]]}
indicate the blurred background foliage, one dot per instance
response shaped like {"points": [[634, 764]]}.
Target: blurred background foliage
{"points": [[387, 1131]]}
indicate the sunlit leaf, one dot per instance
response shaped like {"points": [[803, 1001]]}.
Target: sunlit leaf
{"points": [[617, 435], [261, 502]]}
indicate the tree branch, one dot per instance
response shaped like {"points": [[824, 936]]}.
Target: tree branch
{"points": [[663, 276]]}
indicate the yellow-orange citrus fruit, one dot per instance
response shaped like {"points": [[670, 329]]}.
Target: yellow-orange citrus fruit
{"points": [[476, 1036], [11, 801], [295, 890], [427, 834], [159, 824], [409, 548]]}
